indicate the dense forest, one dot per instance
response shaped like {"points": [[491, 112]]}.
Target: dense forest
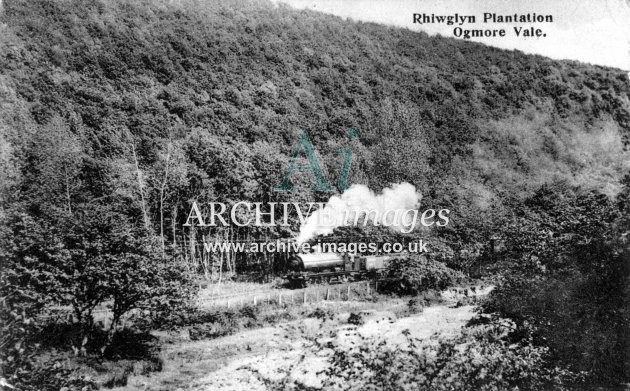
{"points": [[151, 105], [116, 115]]}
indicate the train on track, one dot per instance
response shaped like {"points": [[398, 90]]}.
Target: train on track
{"points": [[328, 267]]}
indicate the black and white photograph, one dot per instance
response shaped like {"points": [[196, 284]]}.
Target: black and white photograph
{"points": [[314, 195]]}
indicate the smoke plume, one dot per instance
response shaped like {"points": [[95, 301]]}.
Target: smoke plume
{"points": [[358, 205]]}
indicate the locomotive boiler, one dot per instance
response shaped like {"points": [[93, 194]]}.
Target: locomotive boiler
{"points": [[329, 267]]}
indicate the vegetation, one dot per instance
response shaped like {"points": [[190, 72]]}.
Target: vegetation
{"points": [[481, 358], [567, 279], [155, 104], [415, 274], [225, 321]]}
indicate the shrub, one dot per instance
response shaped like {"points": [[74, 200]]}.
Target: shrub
{"points": [[415, 306], [219, 323], [225, 321], [321, 314], [52, 376], [415, 274], [356, 319], [577, 298], [481, 358]]}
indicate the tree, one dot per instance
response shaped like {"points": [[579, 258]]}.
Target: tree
{"points": [[566, 275]]}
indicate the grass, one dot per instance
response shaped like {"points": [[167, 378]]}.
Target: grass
{"points": [[197, 342], [233, 288]]}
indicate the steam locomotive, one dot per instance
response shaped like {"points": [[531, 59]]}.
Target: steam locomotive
{"points": [[319, 267]]}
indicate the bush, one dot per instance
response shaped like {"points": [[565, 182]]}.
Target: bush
{"points": [[580, 318], [356, 319], [221, 322], [52, 376], [322, 314], [416, 274], [481, 358], [415, 306], [576, 300]]}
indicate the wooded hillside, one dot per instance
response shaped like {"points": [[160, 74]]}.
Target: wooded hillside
{"points": [[154, 104]]}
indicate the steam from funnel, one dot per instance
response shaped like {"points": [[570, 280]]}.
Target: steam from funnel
{"points": [[359, 205]]}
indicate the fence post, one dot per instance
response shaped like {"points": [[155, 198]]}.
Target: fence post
{"points": [[280, 299], [327, 293], [304, 296], [367, 285], [348, 292]]}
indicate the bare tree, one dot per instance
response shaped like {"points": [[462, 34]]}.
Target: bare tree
{"points": [[143, 204], [169, 148]]}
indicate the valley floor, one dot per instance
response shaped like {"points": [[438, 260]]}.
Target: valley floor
{"points": [[262, 359]]}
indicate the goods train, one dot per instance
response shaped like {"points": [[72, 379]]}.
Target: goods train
{"points": [[331, 267]]}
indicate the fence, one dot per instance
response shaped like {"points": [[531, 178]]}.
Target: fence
{"points": [[313, 294]]}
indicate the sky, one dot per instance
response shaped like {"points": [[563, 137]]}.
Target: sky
{"points": [[592, 31]]}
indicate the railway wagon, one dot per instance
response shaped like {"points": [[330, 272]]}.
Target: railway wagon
{"points": [[318, 267]]}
